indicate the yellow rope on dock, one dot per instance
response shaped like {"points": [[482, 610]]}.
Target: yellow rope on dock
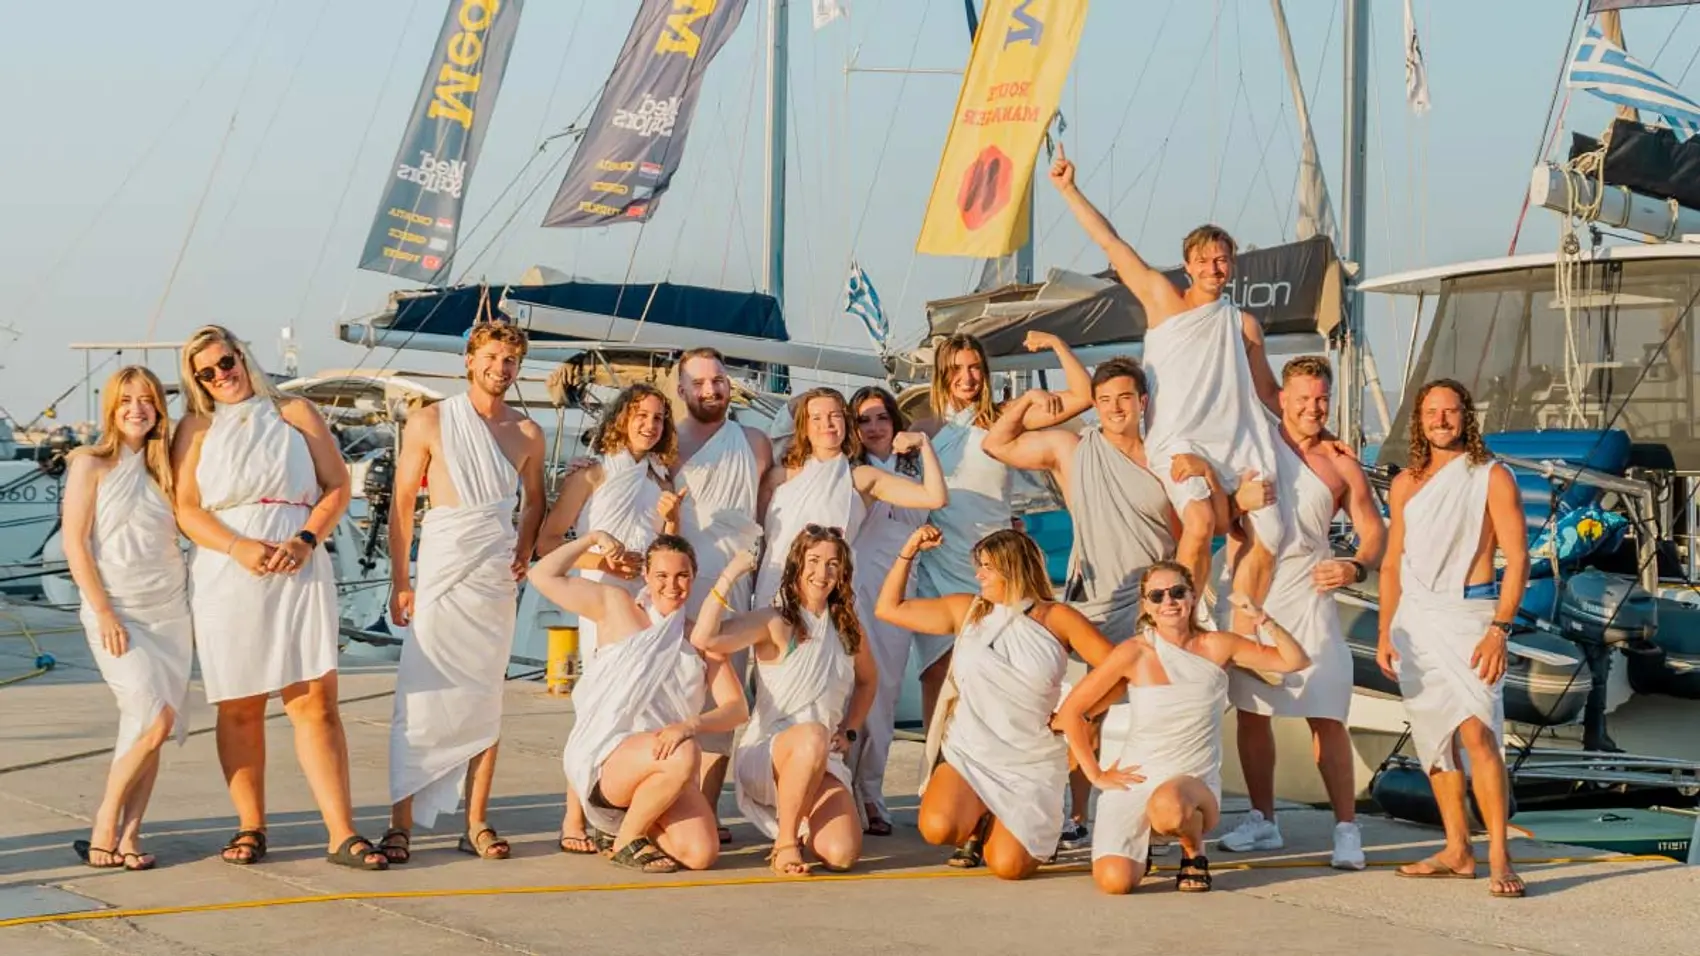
{"points": [[716, 882]]}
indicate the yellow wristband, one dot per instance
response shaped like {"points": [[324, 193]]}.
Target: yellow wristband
{"points": [[718, 597]]}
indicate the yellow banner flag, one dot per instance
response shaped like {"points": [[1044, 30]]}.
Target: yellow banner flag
{"points": [[1022, 54]]}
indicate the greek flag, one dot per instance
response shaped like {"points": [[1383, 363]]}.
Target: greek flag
{"points": [[1605, 70], [861, 301]]}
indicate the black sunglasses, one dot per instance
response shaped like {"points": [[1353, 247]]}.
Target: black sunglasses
{"points": [[1177, 593], [226, 364], [822, 531]]}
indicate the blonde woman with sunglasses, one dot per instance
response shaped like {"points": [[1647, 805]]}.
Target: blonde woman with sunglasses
{"points": [[259, 483], [1167, 775]]}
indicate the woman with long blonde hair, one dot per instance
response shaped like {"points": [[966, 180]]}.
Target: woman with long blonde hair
{"points": [[121, 544], [259, 483], [815, 681], [995, 769]]}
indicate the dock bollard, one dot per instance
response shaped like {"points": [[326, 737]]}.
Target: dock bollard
{"points": [[562, 671]]}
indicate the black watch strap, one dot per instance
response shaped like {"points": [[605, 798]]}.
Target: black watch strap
{"points": [[309, 537], [1358, 566], [1504, 627], [850, 734]]}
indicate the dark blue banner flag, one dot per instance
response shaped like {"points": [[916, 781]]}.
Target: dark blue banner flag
{"points": [[634, 142]]}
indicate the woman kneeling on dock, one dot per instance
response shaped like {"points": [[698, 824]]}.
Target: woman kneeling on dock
{"points": [[996, 770], [121, 545], [815, 682], [1168, 777], [631, 755]]}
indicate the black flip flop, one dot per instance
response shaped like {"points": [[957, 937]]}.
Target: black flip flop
{"points": [[84, 848], [144, 861], [345, 855]]}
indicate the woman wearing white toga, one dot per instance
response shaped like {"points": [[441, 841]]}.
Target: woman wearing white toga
{"points": [[1167, 778], [996, 768], [979, 485], [259, 482], [878, 421], [815, 679], [121, 545], [639, 707], [626, 493], [821, 481]]}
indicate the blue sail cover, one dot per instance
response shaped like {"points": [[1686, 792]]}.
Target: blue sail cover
{"points": [[453, 311]]}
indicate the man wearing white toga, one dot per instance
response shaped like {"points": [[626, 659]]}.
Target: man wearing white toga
{"points": [[1167, 779], [1212, 392], [259, 482], [1318, 482], [1444, 622], [1124, 520], [722, 463], [121, 546], [474, 453]]}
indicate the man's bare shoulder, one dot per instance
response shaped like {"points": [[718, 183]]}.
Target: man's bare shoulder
{"points": [[759, 442]]}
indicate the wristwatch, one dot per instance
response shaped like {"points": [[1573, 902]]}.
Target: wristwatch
{"points": [[850, 734], [309, 537], [1362, 572], [1503, 626]]}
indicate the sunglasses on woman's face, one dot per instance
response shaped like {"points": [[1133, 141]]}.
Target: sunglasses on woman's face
{"points": [[821, 531], [226, 364], [1177, 593]]}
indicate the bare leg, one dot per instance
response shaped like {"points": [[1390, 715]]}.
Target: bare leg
{"points": [[322, 749], [950, 811], [799, 762], [713, 780], [835, 835], [241, 735], [1185, 809], [574, 837], [686, 831], [633, 778], [1079, 793], [480, 774], [1006, 857], [1487, 778], [1457, 855], [1252, 578], [932, 684], [1333, 750], [1256, 737], [1117, 875], [1198, 526], [118, 821]]}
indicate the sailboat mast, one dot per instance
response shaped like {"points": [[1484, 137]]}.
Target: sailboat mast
{"points": [[1353, 231], [773, 233]]}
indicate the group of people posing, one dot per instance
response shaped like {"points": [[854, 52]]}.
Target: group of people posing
{"points": [[710, 564]]}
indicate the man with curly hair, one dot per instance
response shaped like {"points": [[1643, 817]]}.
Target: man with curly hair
{"points": [[1445, 621], [477, 455]]}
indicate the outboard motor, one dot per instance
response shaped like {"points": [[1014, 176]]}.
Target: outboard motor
{"points": [[379, 486], [1608, 609], [1602, 612]]}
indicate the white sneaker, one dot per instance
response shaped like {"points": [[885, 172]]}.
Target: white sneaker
{"points": [[1253, 833], [1348, 847]]}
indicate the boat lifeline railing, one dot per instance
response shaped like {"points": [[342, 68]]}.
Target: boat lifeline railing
{"points": [[1638, 494]]}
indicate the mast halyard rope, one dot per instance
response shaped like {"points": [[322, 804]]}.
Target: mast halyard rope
{"points": [[206, 190]]}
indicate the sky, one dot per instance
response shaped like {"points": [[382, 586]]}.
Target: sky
{"points": [[222, 161]]}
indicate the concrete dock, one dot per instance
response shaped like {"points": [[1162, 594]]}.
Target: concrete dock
{"points": [[56, 731]]}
